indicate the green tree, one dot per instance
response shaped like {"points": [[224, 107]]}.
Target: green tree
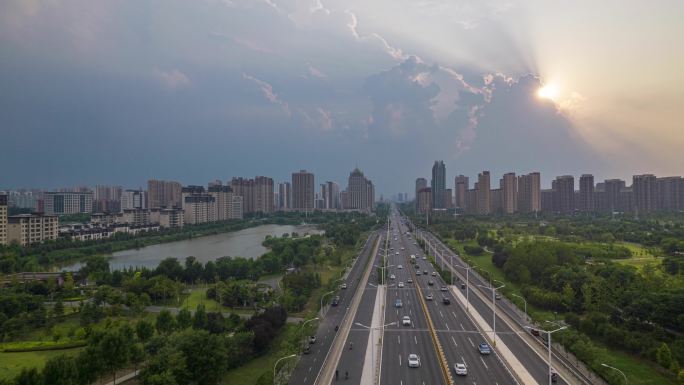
{"points": [[60, 370], [115, 346], [168, 365], [199, 321], [165, 322], [58, 309], [184, 319], [205, 355], [28, 377], [144, 330], [664, 356]]}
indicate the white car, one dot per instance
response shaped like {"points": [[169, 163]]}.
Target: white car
{"points": [[406, 321], [460, 369], [401, 284], [403, 248], [397, 253], [424, 258], [392, 276], [434, 274], [413, 361], [400, 267], [429, 297]]}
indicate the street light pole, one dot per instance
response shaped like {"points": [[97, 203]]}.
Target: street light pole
{"points": [[494, 289], [620, 371], [521, 297], [276, 364], [301, 334], [323, 297], [548, 341]]}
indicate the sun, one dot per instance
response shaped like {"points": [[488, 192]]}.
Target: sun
{"points": [[548, 91]]}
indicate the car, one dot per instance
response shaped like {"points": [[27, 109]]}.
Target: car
{"points": [[401, 284], [424, 258], [497, 296], [460, 369], [393, 276], [425, 272], [534, 332], [397, 253], [431, 282], [343, 286], [418, 272], [434, 274], [398, 303], [410, 280], [312, 339], [307, 349], [429, 297], [403, 248], [446, 301], [554, 375], [484, 348], [413, 361], [463, 286], [400, 266], [406, 321], [443, 288]]}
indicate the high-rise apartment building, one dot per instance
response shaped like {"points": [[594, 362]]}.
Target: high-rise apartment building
{"points": [[263, 194], [223, 197], [63, 203], [370, 195], [563, 194], [509, 193], [237, 210], [670, 193], [461, 187], [162, 193], [171, 218], [449, 199], [198, 205], [421, 183], [496, 200], [529, 193], [3, 219], [645, 193], [303, 191], [133, 199], [331, 195], [284, 196], [438, 185], [358, 191], [29, 229], [424, 200], [612, 188], [107, 199], [586, 193], [483, 189], [546, 199]]}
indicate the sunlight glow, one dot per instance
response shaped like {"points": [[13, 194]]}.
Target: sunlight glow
{"points": [[549, 91]]}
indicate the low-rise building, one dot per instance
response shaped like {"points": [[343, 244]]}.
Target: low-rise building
{"points": [[28, 229]]}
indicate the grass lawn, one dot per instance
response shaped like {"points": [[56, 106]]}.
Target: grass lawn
{"points": [[249, 373], [11, 364], [637, 370]]}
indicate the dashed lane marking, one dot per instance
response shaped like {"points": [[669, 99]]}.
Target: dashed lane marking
{"points": [[483, 363], [454, 341], [471, 343]]}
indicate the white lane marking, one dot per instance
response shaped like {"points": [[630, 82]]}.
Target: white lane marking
{"points": [[440, 314], [399, 339], [483, 363], [310, 369], [454, 341], [463, 360], [454, 314], [471, 342], [447, 326], [305, 378], [462, 328], [400, 360]]}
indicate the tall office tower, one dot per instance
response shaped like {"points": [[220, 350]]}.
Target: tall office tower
{"points": [[449, 199], [421, 183], [370, 195], [107, 199], [29, 229], [61, 203], [461, 187], [263, 194], [424, 200], [564, 194], [133, 199], [302, 191], [438, 184], [509, 193], [669, 193], [361, 192], [162, 193], [483, 188], [3, 219], [586, 193], [344, 200], [331, 195], [645, 190], [223, 197], [612, 188], [284, 196], [198, 205], [529, 193]]}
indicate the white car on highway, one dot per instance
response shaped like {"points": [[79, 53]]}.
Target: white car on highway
{"points": [[392, 276], [406, 321], [429, 297], [400, 267], [460, 369], [413, 361], [401, 284]]}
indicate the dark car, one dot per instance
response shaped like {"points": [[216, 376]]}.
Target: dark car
{"points": [[335, 301], [446, 300], [307, 349], [431, 282], [463, 286]]}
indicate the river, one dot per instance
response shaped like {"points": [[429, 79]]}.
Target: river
{"points": [[244, 243]]}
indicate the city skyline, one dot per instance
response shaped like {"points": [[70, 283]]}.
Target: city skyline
{"points": [[133, 92]]}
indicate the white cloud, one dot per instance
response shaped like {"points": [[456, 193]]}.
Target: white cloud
{"points": [[172, 79], [269, 94]]}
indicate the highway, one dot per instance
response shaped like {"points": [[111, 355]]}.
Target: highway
{"points": [[535, 365], [309, 365], [457, 334]]}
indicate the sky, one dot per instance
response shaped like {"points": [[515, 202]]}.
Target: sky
{"points": [[118, 92]]}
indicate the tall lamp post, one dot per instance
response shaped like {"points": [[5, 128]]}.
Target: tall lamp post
{"points": [[494, 289], [521, 297], [323, 297], [620, 371], [548, 341], [467, 269], [276, 364], [301, 334], [372, 330]]}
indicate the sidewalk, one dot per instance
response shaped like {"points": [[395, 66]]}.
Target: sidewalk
{"points": [[371, 364]]}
